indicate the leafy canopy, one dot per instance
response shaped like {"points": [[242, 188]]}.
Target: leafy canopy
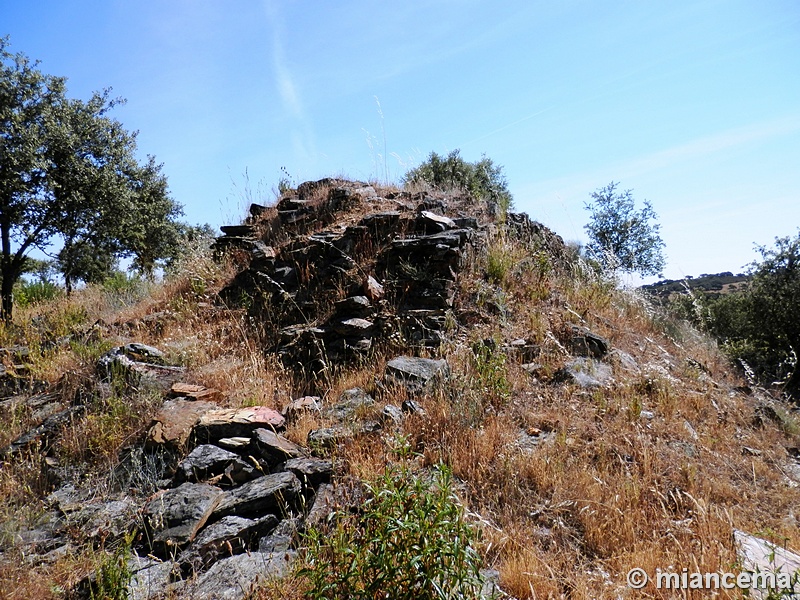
{"points": [[759, 324], [69, 179], [483, 179], [621, 237]]}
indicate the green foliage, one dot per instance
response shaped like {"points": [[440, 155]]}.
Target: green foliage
{"points": [[113, 574], [760, 325], [622, 238], [69, 173], [483, 179], [409, 541], [124, 289], [27, 293], [757, 323]]}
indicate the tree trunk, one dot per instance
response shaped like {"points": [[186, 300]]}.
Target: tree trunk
{"points": [[7, 293], [6, 267]]}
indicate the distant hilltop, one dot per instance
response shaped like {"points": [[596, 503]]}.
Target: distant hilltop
{"points": [[715, 284]]}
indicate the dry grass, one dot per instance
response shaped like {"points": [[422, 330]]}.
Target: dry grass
{"points": [[650, 472]]}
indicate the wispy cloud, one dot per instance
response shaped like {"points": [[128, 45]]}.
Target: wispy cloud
{"points": [[711, 144], [693, 150], [302, 134]]}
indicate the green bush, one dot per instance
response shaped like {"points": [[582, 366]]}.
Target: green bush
{"points": [[29, 293], [409, 541], [622, 238], [123, 289], [483, 179]]}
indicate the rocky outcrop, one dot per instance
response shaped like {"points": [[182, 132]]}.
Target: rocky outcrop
{"points": [[138, 363], [386, 272]]}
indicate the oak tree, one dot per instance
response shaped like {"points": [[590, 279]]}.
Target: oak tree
{"points": [[69, 179]]}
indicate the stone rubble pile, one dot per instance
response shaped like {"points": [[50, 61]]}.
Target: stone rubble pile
{"points": [[386, 273]]}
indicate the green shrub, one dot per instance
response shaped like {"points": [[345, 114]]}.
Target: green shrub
{"points": [[409, 541], [483, 179], [123, 289], [29, 293]]}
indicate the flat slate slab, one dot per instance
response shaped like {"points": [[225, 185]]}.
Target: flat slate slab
{"points": [[416, 374], [150, 578], [235, 578], [311, 471], [266, 495], [173, 517], [173, 424], [207, 461], [236, 422], [760, 556], [275, 448], [229, 536]]}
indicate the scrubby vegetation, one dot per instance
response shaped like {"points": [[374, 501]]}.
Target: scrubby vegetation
{"points": [[559, 486], [755, 318]]}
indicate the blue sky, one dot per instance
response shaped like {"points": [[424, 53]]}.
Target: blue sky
{"points": [[693, 105]]}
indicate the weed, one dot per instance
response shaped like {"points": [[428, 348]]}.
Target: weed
{"points": [[490, 369], [113, 574], [500, 260]]}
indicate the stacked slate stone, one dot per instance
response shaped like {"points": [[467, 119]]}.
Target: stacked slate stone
{"points": [[385, 270], [419, 272], [243, 489]]}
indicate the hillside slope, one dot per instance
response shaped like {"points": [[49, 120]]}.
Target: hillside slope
{"points": [[352, 327]]}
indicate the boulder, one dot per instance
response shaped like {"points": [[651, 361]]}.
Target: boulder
{"points": [[238, 230], [270, 494], [372, 289], [351, 403], [237, 577], [136, 363], [274, 448], [354, 305], [310, 471], [150, 578], [416, 374], [108, 520], [391, 413], [328, 437], [585, 373], [191, 391], [282, 537], [760, 556], [299, 406], [173, 517], [208, 461], [585, 343], [412, 407], [236, 444], [43, 434], [430, 222], [324, 501], [236, 422], [229, 536], [173, 424]]}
